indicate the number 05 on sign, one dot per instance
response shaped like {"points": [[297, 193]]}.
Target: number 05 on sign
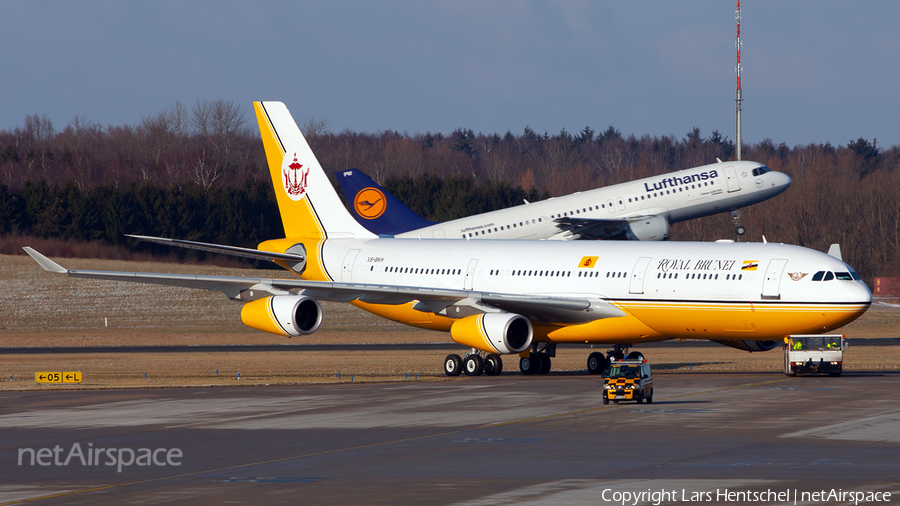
{"points": [[58, 377]]}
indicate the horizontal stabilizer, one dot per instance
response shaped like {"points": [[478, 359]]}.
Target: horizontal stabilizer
{"points": [[225, 250]]}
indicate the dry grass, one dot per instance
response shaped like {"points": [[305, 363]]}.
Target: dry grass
{"points": [[42, 309]]}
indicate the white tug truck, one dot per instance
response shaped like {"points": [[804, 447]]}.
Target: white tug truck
{"points": [[806, 354]]}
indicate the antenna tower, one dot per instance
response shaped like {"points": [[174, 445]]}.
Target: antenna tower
{"points": [[737, 95]]}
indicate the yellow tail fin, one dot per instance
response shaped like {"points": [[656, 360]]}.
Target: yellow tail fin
{"points": [[309, 206]]}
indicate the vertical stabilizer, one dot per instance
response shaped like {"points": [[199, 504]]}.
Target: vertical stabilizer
{"points": [[309, 206], [375, 208]]}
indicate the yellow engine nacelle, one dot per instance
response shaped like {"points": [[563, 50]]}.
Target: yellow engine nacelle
{"points": [[286, 315], [493, 332]]}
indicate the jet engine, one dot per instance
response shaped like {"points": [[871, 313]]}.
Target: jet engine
{"points": [[750, 346], [493, 332], [287, 315], [655, 228]]}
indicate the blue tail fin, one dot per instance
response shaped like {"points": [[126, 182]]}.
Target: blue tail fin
{"points": [[374, 208]]}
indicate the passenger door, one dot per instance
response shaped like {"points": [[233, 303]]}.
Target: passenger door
{"points": [[772, 279], [347, 269], [638, 275], [470, 275], [731, 180]]}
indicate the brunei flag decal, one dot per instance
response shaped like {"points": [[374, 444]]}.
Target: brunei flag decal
{"points": [[750, 265], [588, 262]]}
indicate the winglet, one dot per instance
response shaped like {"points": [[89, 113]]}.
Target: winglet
{"points": [[46, 263], [835, 251]]}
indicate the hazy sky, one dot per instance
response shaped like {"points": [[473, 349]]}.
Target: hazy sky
{"points": [[814, 71]]}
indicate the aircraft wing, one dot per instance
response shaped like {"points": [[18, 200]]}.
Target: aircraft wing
{"points": [[597, 229], [554, 310]]}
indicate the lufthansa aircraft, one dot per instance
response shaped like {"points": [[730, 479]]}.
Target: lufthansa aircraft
{"points": [[638, 210], [514, 297]]}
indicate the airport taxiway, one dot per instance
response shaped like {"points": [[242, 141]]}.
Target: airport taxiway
{"points": [[486, 440]]}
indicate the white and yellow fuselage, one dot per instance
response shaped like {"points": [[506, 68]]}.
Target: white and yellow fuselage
{"points": [[727, 291]]}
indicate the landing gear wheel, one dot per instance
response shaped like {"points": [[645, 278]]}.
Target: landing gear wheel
{"points": [[452, 365], [597, 364], [635, 355], [530, 365], [605, 398], [493, 364], [473, 365], [545, 364], [736, 220]]}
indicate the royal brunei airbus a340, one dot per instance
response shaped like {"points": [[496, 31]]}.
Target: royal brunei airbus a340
{"points": [[500, 297]]}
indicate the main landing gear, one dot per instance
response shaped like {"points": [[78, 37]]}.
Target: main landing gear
{"points": [[538, 361], [736, 220], [473, 364], [598, 364]]}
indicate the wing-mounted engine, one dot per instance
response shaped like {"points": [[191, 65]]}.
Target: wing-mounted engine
{"points": [[653, 228], [493, 332], [286, 315], [750, 346]]}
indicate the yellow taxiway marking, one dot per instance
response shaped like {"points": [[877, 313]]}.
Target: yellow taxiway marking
{"points": [[373, 445]]}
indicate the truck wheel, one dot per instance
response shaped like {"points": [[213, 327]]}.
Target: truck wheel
{"points": [[834, 374], [605, 399], [640, 398], [650, 399]]}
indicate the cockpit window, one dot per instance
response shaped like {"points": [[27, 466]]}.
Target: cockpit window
{"points": [[828, 276], [818, 276], [761, 170], [843, 276]]}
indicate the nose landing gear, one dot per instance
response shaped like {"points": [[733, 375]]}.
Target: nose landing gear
{"points": [[736, 220]]}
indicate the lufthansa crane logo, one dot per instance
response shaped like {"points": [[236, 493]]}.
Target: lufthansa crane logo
{"points": [[369, 203]]}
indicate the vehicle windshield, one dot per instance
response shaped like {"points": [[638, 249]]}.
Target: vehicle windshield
{"points": [[626, 372], [817, 343]]}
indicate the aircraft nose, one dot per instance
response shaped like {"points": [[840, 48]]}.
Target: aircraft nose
{"points": [[783, 180], [860, 293]]}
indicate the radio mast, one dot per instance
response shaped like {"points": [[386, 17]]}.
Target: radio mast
{"points": [[737, 95]]}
